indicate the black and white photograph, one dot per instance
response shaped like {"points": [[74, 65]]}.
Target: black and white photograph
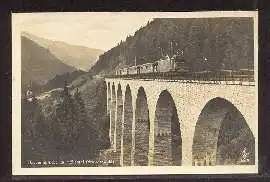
{"points": [[134, 93]]}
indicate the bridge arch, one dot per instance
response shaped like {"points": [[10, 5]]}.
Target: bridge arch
{"points": [[222, 136], [119, 111], [167, 139], [127, 127], [142, 129]]}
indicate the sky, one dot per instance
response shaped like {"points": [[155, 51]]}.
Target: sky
{"points": [[95, 30], [101, 30]]}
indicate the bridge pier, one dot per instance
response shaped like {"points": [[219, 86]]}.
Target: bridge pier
{"points": [[187, 141], [108, 98], [113, 118], [109, 107], [151, 152], [133, 129], [152, 101], [122, 133]]}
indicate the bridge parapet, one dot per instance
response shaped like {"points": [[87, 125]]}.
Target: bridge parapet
{"points": [[190, 76], [194, 81]]}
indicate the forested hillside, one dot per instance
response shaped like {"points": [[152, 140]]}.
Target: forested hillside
{"points": [[226, 43], [70, 123]]}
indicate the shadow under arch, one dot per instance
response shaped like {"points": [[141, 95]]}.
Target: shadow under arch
{"points": [[222, 136], [127, 128], [119, 111], [142, 129], [167, 139]]}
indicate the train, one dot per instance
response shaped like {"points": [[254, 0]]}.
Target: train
{"points": [[165, 64], [177, 67]]}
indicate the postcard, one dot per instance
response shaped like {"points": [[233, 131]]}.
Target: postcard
{"points": [[134, 93]]}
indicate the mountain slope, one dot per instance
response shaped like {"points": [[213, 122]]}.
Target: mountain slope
{"points": [[94, 132], [76, 56], [224, 41], [39, 64]]}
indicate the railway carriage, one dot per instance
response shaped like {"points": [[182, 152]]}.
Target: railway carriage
{"points": [[164, 65], [124, 71], [119, 72], [133, 70], [146, 68]]}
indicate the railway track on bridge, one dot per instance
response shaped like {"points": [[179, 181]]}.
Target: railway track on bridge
{"points": [[205, 78]]}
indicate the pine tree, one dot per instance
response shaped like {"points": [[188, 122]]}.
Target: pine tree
{"points": [[81, 129], [80, 109], [65, 117]]}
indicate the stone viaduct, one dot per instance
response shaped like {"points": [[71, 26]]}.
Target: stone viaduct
{"points": [[173, 123]]}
